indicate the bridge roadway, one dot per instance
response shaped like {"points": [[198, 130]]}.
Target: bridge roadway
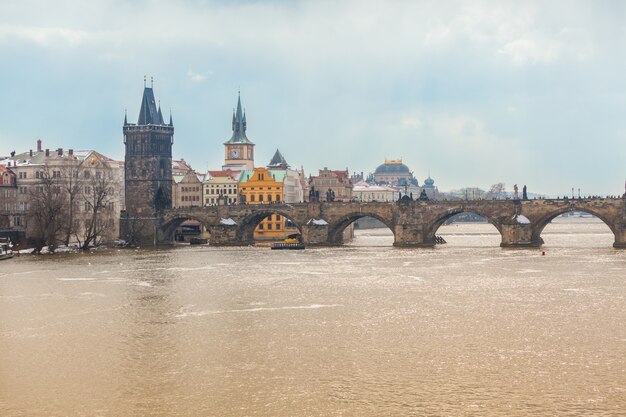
{"points": [[413, 223]]}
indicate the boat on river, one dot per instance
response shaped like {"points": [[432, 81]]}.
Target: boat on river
{"points": [[6, 250], [292, 242]]}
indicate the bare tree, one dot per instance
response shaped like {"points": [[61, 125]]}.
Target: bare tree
{"points": [[47, 210], [497, 191], [72, 189], [98, 199]]}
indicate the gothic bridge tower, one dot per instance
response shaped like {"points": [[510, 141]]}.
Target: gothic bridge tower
{"points": [[147, 170]]}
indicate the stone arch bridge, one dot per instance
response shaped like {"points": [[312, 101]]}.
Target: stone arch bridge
{"points": [[413, 223]]}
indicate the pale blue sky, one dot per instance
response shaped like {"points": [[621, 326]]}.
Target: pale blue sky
{"points": [[474, 92]]}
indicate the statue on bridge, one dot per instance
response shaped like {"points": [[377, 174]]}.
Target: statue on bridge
{"points": [[314, 195], [423, 195], [515, 192], [524, 194], [330, 195]]}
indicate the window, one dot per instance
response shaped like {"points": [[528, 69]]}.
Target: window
{"points": [[261, 226], [278, 198], [252, 198], [261, 197], [278, 226], [98, 175], [86, 205], [87, 189], [22, 174], [56, 174], [278, 217], [86, 175], [269, 226], [269, 198]]}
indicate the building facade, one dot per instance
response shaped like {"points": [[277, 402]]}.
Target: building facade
{"points": [[8, 198], [239, 150], [187, 190], [87, 183], [364, 192], [334, 184], [221, 187], [262, 186]]}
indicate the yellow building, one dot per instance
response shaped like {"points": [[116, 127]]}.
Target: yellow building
{"points": [[263, 186]]}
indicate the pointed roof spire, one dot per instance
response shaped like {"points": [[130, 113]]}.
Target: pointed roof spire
{"points": [[278, 161], [171, 122], [160, 114], [239, 125], [125, 118], [149, 114]]}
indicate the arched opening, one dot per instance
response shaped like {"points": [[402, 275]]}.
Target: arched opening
{"points": [[185, 230], [361, 229], [468, 229], [574, 229], [267, 226]]}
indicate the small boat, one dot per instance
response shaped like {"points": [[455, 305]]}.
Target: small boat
{"points": [[6, 251], [287, 246]]}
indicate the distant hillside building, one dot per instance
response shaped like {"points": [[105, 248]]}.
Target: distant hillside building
{"points": [[394, 172], [238, 150]]}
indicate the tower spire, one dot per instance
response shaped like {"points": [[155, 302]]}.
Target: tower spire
{"points": [[125, 118]]}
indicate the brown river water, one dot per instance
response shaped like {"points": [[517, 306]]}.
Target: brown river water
{"points": [[466, 328]]}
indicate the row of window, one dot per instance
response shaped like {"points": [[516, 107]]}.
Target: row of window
{"points": [[223, 191], [190, 189], [190, 198], [260, 198], [262, 226]]}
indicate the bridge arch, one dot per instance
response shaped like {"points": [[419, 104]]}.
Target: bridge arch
{"points": [[335, 229], [246, 227], [540, 224], [429, 236], [168, 229]]}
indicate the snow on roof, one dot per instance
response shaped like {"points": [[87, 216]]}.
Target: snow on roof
{"points": [[317, 222], [228, 222]]}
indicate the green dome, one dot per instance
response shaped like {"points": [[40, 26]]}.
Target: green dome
{"points": [[392, 168]]}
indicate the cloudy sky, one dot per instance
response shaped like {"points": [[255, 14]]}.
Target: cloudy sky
{"points": [[473, 92]]}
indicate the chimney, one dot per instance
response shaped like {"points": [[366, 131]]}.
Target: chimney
{"points": [[38, 145], [60, 151], [70, 152], [31, 152], [47, 152]]}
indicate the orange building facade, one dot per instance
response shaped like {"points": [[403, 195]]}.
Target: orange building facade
{"points": [[262, 186]]}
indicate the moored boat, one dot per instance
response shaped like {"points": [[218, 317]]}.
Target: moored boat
{"points": [[287, 246]]}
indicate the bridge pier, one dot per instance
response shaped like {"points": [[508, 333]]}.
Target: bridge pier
{"points": [[315, 234], [517, 235], [412, 236], [620, 237], [143, 231], [225, 235]]}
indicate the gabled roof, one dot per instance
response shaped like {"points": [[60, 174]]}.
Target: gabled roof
{"points": [[225, 173], [278, 161], [239, 126]]}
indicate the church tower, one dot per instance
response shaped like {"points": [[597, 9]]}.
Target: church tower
{"points": [[148, 160], [238, 150]]}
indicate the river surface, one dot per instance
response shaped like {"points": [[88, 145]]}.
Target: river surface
{"points": [[466, 328]]}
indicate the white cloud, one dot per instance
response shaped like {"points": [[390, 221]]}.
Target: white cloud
{"points": [[196, 77]]}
